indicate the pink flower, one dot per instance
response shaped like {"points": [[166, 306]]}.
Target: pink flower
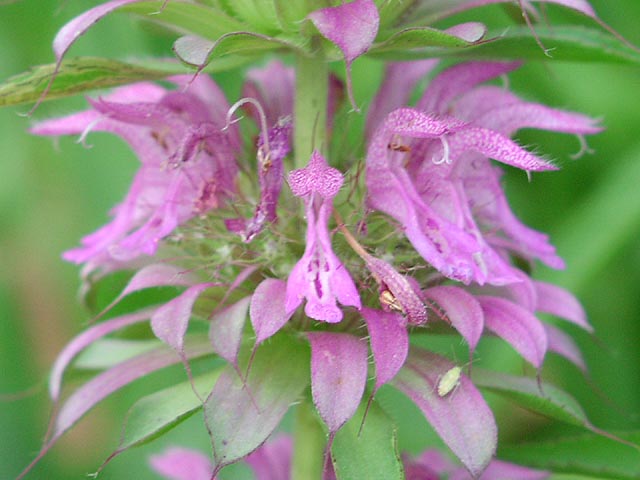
{"points": [[319, 276], [188, 165], [272, 461], [429, 169]]}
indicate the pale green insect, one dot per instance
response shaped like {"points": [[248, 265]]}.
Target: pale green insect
{"points": [[449, 381]]}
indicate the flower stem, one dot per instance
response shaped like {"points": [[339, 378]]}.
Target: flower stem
{"points": [[310, 111], [309, 443]]}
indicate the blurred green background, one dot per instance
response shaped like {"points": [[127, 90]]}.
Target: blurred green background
{"points": [[51, 196]]}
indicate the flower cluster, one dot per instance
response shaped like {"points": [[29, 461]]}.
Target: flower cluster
{"points": [[331, 256]]}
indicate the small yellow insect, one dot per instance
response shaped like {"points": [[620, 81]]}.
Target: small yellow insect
{"points": [[449, 381], [388, 299]]}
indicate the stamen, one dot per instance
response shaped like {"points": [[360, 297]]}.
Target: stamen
{"points": [[261, 115], [584, 148], [83, 136], [445, 152]]}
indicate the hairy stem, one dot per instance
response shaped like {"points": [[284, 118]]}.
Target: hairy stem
{"points": [[309, 443], [310, 111]]}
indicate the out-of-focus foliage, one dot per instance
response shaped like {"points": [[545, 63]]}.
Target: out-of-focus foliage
{"points": [[50, 197]]}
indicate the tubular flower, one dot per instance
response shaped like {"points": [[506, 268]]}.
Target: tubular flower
{"points": [[429, 169], [188, 165], [429, 239], [319, 276]]}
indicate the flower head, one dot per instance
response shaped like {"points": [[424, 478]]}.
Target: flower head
{"points": [[429, 169], [319, 276], [188, 165]]}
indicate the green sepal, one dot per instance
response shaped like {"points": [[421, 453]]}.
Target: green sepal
{"points": [[371, 453], [562, 43], [416, 38], [79, 75], [542, 398], [187, 17]]}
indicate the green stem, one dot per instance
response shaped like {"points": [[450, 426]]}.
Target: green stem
{"points": [[310, 112], [309, 442]]}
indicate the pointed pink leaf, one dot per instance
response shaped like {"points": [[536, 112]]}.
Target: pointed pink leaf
{"points": [[517, 326], [85, 339], [389, 342], [101, 386], [267, 310], [561, 303], [169, 322], [520, 292], [462, 418], [226, 328], [177, 463], [352, 27], [69, 33], [338, 375], [563, 344], [470, 32], [240, 415], [155, 275], [461, 309]]}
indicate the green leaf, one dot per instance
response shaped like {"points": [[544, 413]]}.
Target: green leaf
{"points": [[586, 454], [78, 75], [568, 43], [550, 401], [418, 37], [108, 352], [240, 416], [156, 413], [197, 51], [186, 17], [261, 15], [373, 453]]}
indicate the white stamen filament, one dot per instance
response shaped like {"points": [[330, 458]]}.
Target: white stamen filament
{"points": [[584, 148], [445, 152], [261, 115]]}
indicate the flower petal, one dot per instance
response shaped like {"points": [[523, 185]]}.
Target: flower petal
{"points": [[101, 386], [169, 322], [462, 310], [517, 326], [267, 310], [352, 27], [400, 78], [563, 344], [457, 80], [272, 461], [462, 418], [338, 375], [495, 145], [225, 332], [561, 303], [389, 342], [177, 463], [85, 339]]}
